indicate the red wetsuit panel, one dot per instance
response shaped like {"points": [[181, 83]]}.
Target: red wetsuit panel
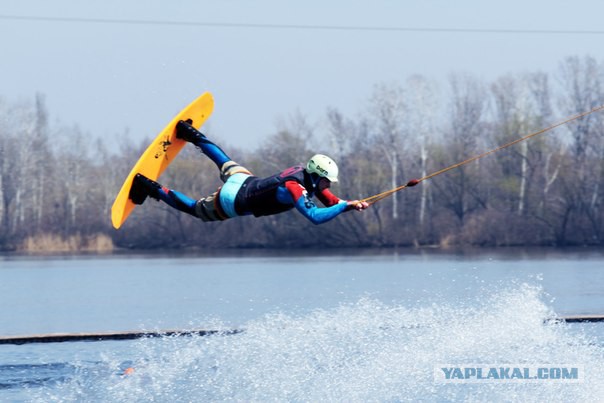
{"points": [[327, 198], [295, 189]]}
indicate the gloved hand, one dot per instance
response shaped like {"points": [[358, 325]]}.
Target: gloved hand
{"points": [[357, 205]]}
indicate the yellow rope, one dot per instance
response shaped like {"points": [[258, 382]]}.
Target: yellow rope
{"points": [[413, 182]]}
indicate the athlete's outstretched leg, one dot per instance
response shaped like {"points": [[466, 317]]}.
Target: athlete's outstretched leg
{"points": [[143, 187], [225, 164], [206, 209], [185, 131]]}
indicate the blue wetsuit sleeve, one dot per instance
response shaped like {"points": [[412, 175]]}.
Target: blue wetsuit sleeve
{"points": [[308, 208], [318, 215]]}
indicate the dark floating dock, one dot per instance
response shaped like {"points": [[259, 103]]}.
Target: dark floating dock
{"points": [[582, 318], [66, 337]]}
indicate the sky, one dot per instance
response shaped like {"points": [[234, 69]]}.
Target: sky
{"points": [[126, 67]]}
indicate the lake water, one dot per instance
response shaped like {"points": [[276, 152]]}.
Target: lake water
{"points": [[358, 326]]}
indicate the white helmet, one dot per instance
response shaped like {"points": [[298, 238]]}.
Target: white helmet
{"points": [[323, 166]]}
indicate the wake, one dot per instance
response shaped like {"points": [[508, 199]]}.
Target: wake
{"points": [[364, 351]]}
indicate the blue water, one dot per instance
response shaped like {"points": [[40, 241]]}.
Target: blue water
{"points": [[362, 327]]}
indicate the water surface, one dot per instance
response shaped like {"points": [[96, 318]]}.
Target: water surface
{"points": [[360, 326]]}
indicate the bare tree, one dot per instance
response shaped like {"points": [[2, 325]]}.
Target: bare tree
{"points": [[288, 146], [460, 191], [341, 134], [582, 90], [421, 122], [7, 166], [389, 111], [522, 105], [74, 163], [25, 170]]}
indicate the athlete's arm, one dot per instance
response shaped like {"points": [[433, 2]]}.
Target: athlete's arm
{"points": [[329, 199], [309, 209]]}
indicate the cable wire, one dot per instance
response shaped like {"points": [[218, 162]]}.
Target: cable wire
{"points": [[314, 27]]}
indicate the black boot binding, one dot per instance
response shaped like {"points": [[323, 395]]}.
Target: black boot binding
{"points": [[186, 132], [143, 187]]}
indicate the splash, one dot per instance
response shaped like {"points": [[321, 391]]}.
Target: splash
{"points": [[365, 351]]}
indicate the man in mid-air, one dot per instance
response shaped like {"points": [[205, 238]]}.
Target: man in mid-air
{"points": [[245, 194]]}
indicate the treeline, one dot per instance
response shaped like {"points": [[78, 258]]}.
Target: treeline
{"points": [[57, 186]]}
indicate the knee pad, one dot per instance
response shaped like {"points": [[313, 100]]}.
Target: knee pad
{"points": [[208, 209], [230, 168]]}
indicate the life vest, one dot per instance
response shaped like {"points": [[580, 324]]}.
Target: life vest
{"points": [[259, 195]]}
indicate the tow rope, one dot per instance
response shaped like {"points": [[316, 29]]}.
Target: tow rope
{"points": [[375, 198]]}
